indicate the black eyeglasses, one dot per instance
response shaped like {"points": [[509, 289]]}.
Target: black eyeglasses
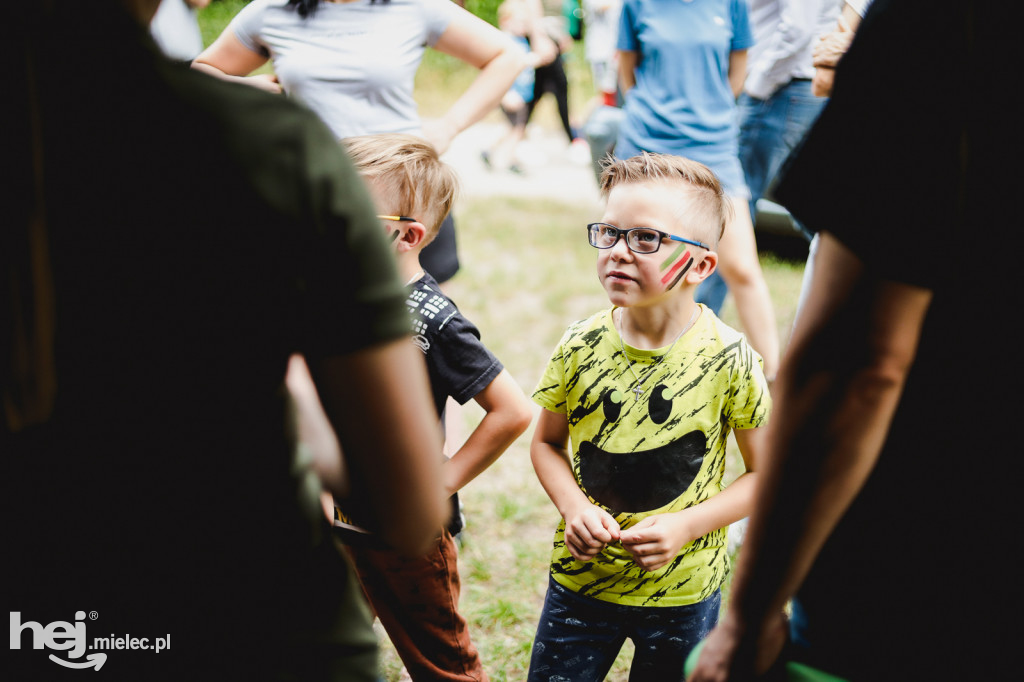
{"points": [[638, 239]]}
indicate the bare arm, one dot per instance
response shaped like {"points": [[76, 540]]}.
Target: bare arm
{"points": [[656, 540], [737, 71], [314, 429], [540, 41], [507, 415], [588, 528], [377, 400], [313, 426], [479, 44], [628, 61], [822, 446], [228, 59], [830, 49]]}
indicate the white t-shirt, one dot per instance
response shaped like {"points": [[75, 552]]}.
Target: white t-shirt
{"points": [[602, 17], [175, 29], [785, 33], [352, 63]]}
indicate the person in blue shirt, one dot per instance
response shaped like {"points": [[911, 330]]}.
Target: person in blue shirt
{"points": [[681, 66]]}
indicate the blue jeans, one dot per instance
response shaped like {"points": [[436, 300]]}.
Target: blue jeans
{"points": [[769, 130], [601, 130], [578, 638], [711, 292]]}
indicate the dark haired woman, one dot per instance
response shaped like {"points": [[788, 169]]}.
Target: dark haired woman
{"points": [[353, 62]]}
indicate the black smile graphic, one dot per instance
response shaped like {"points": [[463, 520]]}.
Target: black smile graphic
{"points": [[644, 480]]}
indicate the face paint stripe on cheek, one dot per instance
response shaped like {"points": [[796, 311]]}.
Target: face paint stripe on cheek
{"points": [[680, 275], [679, 253], [684, 260]]}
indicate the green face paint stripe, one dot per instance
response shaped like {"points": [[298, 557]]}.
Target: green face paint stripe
{"points": [[672, 259]]}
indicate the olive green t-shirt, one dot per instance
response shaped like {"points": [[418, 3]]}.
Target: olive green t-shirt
{"points": [[200, 232]]}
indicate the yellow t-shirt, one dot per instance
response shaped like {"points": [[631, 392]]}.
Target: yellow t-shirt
{"points": [[657, 453]]}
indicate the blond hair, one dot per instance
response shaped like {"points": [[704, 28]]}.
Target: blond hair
{"points": [[709, 212], [407, 170]]}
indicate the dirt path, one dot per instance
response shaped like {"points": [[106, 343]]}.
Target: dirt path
{"points": [[550, 171]]}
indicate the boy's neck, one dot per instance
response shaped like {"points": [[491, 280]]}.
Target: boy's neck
{"points": [[409, 268], [656, 326]]}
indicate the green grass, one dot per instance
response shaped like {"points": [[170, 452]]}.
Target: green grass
{"points": [[215, 16]]}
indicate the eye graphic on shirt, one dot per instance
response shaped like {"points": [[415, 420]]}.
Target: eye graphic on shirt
{"points": [[649, 474], [612, 404], [659, 406]]}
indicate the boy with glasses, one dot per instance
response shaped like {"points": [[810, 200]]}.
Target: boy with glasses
{"points": [[416, 598], [647, 393]]}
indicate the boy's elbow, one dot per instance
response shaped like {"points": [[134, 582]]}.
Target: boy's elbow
{"points": [[522, 417], [536, 458], [513, 421], [512, 409]]}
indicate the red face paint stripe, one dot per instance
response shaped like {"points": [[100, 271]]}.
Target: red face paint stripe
{"points": [[680, 275], [683, 261]]}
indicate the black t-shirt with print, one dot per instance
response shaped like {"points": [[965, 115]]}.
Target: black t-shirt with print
{"points": [[458, 363]]}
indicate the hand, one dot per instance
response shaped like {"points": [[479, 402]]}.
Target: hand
{"points": [[440, 134], [832, 47], [728, 655], [264, 81], [544, 48], [656, 540], [821, 84], [327, 504], [589, 531]]}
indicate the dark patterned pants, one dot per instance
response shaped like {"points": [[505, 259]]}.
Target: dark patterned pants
{"points": [[578, 637]]}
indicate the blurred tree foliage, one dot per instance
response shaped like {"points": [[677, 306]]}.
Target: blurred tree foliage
{"points": [[485, 9]]}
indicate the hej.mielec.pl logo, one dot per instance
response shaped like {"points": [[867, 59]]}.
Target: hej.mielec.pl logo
{"points": [[71, 638]]}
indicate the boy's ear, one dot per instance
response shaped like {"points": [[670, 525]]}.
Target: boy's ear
{"points": [[411, 237], [702, 270]]}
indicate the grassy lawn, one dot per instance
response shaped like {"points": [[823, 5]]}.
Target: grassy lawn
{"points": [[527, 272]]}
